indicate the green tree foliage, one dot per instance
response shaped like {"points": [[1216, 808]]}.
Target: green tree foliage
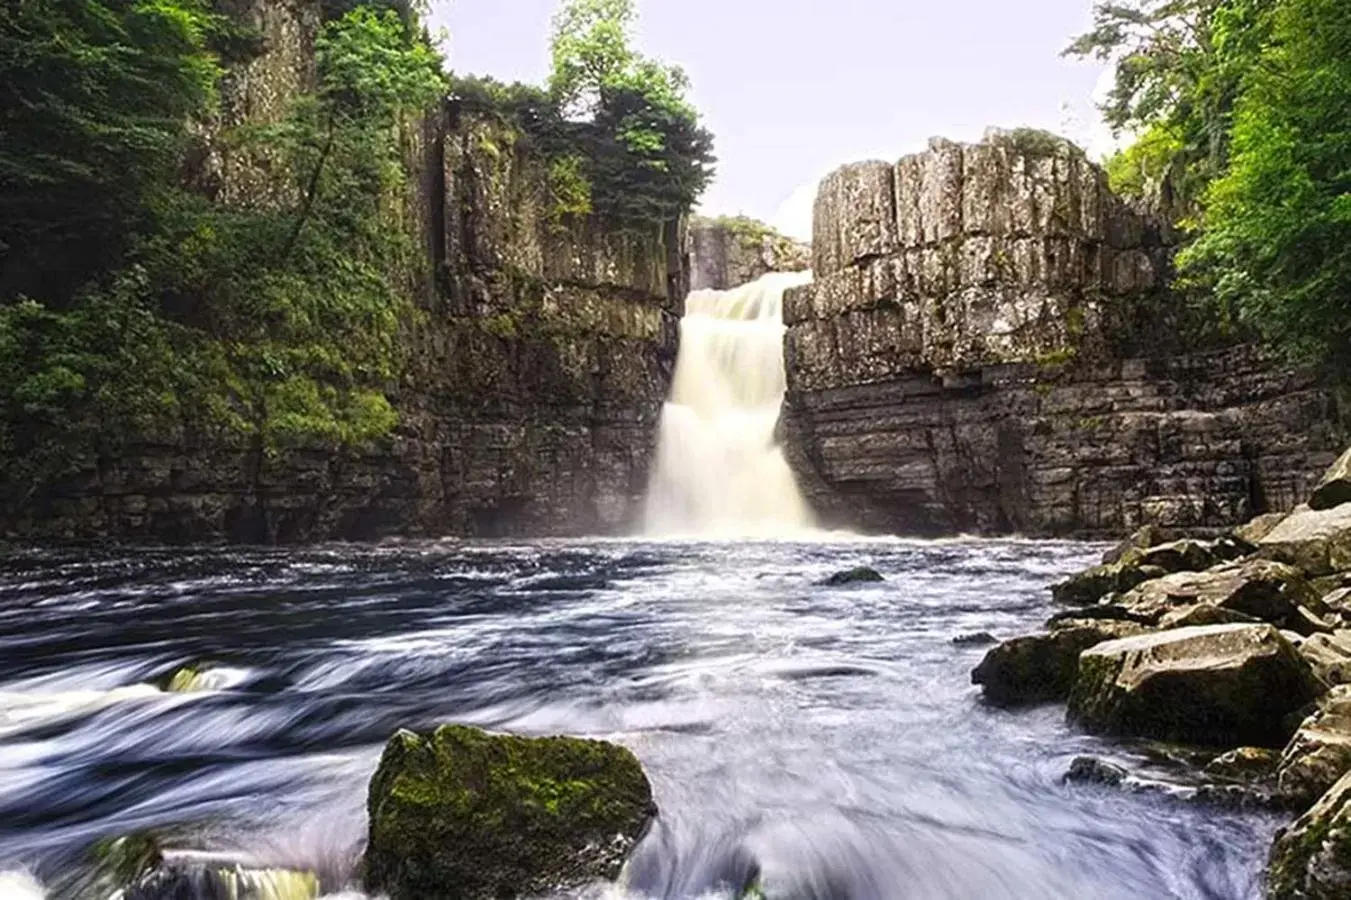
{"points": [[94, 94], [1178, 68], [275, 318], [646, 157], [1276, 241]]}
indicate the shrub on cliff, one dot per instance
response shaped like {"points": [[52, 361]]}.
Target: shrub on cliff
{"points": [[273, 316]]}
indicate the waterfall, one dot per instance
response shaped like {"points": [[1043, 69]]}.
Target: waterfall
{"points": [[719, 471]]}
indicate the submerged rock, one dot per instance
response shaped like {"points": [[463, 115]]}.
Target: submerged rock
{"points": [[1217, 684], [188, 879], [1316, 541], [1335, 488], [1040, 668], [460, 813], [1311, 859], [1091, 770], [976, 638], [1320, 751], [856, 575]]}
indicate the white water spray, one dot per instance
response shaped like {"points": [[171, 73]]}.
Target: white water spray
{"points": [[719, 471]]}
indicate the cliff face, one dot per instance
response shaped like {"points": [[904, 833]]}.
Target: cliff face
{"points": [[535, 369], [989, 346], [725, 253]]}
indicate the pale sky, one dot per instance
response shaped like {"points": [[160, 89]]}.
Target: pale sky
{"points": [[792, 89]]}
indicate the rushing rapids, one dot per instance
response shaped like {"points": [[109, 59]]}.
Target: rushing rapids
{"points": [[719, 469], [827, 738]]}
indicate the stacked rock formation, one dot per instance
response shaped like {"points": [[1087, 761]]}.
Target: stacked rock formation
{"points": [[990, 345]]}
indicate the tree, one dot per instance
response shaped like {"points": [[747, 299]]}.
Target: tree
{"points": [[95, 97], [645, 158], [1276, 242], [1178, 65]]}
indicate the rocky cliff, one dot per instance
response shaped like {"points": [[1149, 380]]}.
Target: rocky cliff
{"points": [[990, 346], [534, 371], [727, 252]]}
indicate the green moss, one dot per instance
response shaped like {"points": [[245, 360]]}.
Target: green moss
{"points": [[463, 813]]}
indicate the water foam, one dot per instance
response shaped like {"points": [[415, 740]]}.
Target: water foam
{"points": [[719, 470]]}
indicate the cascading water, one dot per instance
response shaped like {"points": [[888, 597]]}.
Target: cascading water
{"points": [[719, 470]]}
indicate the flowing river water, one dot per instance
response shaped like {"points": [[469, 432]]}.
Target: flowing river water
{"points": [[829, 736]]}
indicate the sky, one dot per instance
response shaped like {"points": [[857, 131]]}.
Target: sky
{"points": [[793, 89]]}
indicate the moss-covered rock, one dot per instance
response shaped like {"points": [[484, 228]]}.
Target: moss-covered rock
{"points": [[1311, 859], [1138, 561], [1040, 668], [1218, 685], [460, 813]]}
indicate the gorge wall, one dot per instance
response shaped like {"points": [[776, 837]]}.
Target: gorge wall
{"points": [[534, 376], [728, 252], [989, 346]]}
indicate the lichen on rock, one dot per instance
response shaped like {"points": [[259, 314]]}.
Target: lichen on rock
{"points": [[461, 813]]}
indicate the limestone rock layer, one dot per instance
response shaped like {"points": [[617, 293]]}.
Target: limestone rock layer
{"points": [[990, 345]]}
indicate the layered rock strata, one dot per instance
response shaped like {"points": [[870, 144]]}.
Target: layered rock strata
{"points": [[728, 252], [989, 346]]}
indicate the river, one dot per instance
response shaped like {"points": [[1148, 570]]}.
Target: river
{"points": [[828, 735]]}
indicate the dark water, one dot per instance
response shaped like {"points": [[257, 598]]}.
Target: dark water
{"points": [[829, 736]]}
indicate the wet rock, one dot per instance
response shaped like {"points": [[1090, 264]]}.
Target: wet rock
{"points": [[189, 879], [1244, 764], [1216, 684], [856, 575], [1335, 488], [977, 638], [1319, 753], [1316, 541], [1311, 859], [1256, 588], [460, 813], [1091, 770], [1040, 668]]}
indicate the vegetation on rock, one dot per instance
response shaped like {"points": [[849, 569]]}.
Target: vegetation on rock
{"points": [[1239, 112], [459, 813], [273, 318]]}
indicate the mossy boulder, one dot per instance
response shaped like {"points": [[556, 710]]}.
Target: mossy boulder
{"points": [[1131, 565], [1220, 685], [1040, 668], [461, 814], [1335, 488], [1311, 859]]}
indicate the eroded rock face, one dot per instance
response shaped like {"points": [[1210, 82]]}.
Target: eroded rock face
{"points": [[725, 253], [1311, 859], [989, 346], [1219, 685], [459, 814]]}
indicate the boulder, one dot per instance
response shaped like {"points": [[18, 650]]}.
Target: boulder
{"points": [[460, 813], [1320, 751], [1040, 668], [1311, 858], [1335, 488], [1329, 655], [1259, 527], [1256, 589], [856, 575], [975, 639], [1244, 764], [1142, 539], [1135, 565], [1214, 684], [1091, 770], [1316, 541], [1337, 604]]}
